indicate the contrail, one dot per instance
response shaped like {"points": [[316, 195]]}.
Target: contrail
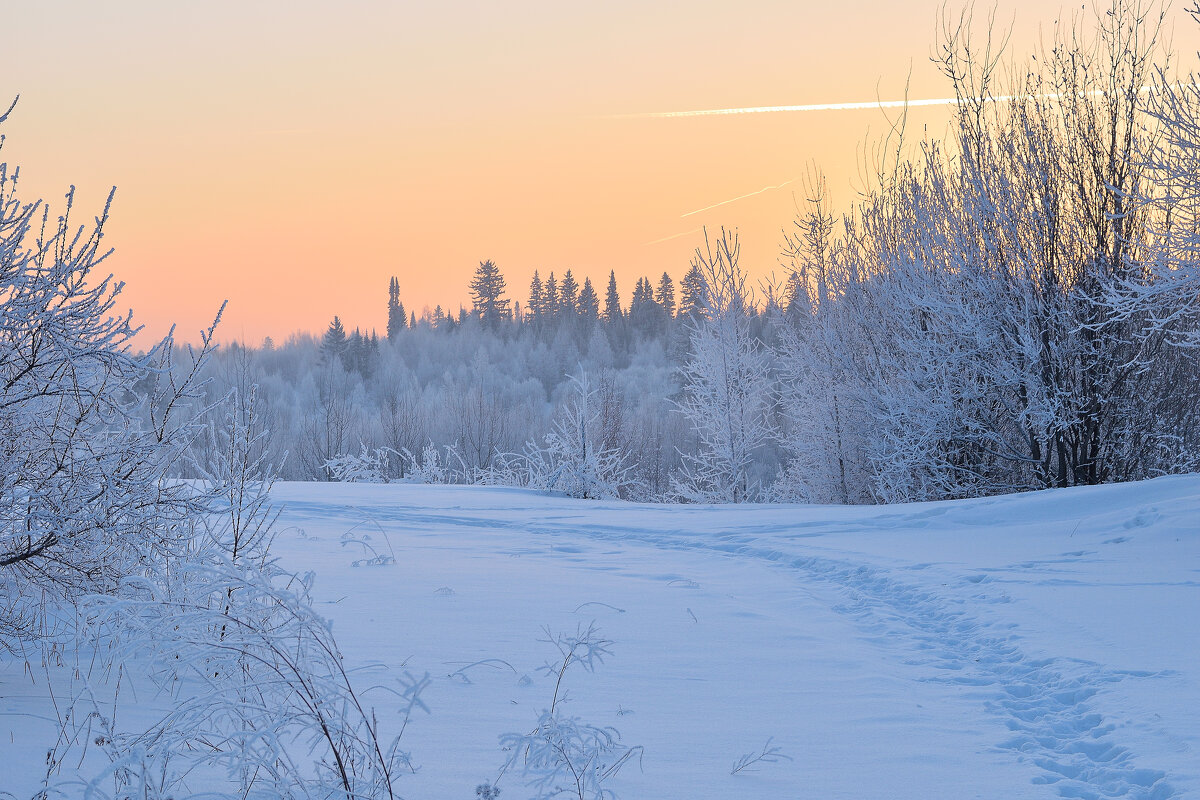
{"points": [[716, 112], [716, 205], [940, 101], [735, 199], [674, 236]]}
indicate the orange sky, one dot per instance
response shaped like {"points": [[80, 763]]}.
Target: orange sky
{"points": [[291, 156]]}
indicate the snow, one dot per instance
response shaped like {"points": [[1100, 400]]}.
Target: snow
{"points": [[1030, 646]]}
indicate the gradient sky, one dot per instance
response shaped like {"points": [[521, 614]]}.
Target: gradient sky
{"points": [[290, 157]]}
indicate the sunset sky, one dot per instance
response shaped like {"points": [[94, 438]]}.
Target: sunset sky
{"points": [[291, 157]]}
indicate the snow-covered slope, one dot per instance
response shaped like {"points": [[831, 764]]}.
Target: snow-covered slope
{"points": [[1038, 645]]}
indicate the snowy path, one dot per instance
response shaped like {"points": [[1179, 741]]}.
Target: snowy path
{"points": [[975, 625], [1035, 646]]}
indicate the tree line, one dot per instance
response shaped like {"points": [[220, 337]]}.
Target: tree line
{"points": [[1012, 307]]}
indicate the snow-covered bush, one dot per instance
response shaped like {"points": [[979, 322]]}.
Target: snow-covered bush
{"points": [[369, 466], [563, 754], [429, 468], [1015, 308], [90, 431], [575, 459], [105, 551], [727, 385], [262, 703]]}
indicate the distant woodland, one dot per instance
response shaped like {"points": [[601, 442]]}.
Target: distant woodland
{"points": [[1013, 308]]}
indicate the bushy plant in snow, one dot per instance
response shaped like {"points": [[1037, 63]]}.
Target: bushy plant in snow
{"points": [[769, 754], [575, 459], [429, 468], [145, 577], [727, 385], [564, 754], [369, 466], [262, 704], [90, 431]]}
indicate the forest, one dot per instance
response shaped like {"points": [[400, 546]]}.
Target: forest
{"points": [[1009, 309]]}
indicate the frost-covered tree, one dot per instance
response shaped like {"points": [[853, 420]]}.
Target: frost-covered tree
{"points": [[646, 316], [985, 318], [396, 319], [254, 674], [1032, 229], [665, 294], [612, 299], [551, 302], [727, 385], [817, 384], [487, 294], [533, 309], [333, 343], [589, 302], [575, 459], [693, 293], [90, 431], [328, 420], [151, 578], [568, 294]]}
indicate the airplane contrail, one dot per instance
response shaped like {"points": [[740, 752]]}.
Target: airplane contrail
{"points": [[939, 101], [735, 199], [674, 236]]}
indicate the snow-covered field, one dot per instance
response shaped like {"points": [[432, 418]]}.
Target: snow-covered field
{"points": [[1031, 646]]}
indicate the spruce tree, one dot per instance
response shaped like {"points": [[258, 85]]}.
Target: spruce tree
{"points": [[589, 302], [644, 312], [693, 294], [333, 343], [612, 300], [354, 357], [550, 298], [395, 318], [666, 294], [641, 294], [487, 290], [567, 294], [534, 307]]}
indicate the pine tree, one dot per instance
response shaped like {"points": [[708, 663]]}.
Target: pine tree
{"points": [[644, 313], [534, 307], [666, 294], [487, 290], [642, 293], [693, 294], [354, 355], [796, 300], [550, 298], [589, 302], [333, 343], [567, 294], [395, 316], [612, 300]]}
